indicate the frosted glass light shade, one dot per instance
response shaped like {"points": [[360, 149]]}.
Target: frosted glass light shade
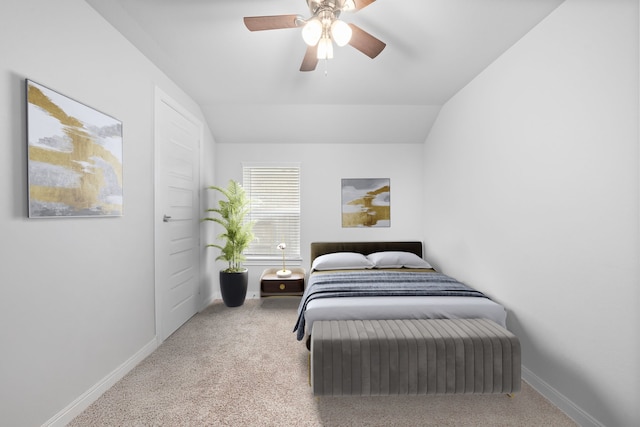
{"points": [[325, 48], [349, 5], [340, 32], [312, 31]]}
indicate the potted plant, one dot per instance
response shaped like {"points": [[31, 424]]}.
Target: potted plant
{"points": [[238, 233]]}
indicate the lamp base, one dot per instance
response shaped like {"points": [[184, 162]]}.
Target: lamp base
{"points": [[284, 273]]}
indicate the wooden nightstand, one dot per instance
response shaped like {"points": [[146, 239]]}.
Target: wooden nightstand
{"points": [[271, 284]]}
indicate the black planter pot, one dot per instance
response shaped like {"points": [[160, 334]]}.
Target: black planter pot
{"points": [[233, 287]]}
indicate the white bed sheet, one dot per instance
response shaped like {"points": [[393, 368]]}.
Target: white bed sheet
{"points": [[409, 307]]}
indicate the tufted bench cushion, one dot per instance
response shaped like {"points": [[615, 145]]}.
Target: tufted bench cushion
{"points": [[413, 356]]}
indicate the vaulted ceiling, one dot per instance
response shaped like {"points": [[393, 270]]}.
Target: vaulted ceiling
{"points": [[250, 89]]}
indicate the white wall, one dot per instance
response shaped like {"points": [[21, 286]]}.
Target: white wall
{"points": [[532, 193], [77, 295], [322, 168]]}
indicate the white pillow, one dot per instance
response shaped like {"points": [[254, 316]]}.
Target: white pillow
{"points": [[341, 261], [397, 259]]}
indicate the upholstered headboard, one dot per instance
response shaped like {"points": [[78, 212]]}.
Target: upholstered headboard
{"points": [[366, 248]]}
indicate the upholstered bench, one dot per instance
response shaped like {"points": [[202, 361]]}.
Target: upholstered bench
{"points": [[425, 356]]}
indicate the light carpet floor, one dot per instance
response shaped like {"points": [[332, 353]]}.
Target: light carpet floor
{"points": [[243, 367]]}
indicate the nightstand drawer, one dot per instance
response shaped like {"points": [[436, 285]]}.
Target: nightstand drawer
{"points": [[282, 286], [271, 284]]}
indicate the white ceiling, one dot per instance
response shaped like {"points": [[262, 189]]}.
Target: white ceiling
{"points": [[249, 87]]}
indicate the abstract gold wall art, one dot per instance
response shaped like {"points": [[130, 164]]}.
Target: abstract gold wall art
{"points": [[366, 202], [74, 157]]}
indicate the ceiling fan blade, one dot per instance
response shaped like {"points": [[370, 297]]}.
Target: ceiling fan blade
{"points": [[361, 4], [275, 22], [310, 59], [365, 42]]}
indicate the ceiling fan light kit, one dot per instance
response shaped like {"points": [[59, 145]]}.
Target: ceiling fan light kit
{"points": [[341, 32], [322, 29], [325, 49], [312, 31]]}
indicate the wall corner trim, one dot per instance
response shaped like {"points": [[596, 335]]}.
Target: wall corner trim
{"points": [[573, 411], [76, 407]]}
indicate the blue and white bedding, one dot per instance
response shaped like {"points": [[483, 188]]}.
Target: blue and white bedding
{"points": [[390, 294]]}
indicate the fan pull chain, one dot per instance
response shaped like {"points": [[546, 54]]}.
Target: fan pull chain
{"points": [[326, 67]]}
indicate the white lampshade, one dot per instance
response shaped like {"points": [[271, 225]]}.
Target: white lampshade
{"points": [[312, 31], [340, 32], [325, 48]]}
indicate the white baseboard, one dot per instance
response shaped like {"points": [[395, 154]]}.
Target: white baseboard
{"points": [[575, 412], [205, 303], [76, 407]]}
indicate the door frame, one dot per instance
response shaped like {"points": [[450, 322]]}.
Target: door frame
{"points": [[162, 97]]}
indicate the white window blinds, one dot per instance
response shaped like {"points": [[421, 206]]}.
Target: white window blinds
{"points": [[274, 191]]}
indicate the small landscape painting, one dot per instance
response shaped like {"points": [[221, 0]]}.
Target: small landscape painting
{"points": [[75, 157], [366, 202]]}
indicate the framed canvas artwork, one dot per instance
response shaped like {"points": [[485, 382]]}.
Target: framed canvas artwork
{"points": [[366, 202], [74, 157]]}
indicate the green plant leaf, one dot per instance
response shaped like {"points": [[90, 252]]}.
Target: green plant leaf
{"points": [[231, 215]]}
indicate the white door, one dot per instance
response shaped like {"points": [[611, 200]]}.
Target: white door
{"points": [[177, 209]]}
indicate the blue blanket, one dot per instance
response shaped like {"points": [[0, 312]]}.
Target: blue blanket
{"points": [[364, 283]]}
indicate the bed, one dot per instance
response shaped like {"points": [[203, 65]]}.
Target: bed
{"points": [[332, 294], [378, 319]]}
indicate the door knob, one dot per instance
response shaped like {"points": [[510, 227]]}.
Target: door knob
{"points": [[166, 218]]}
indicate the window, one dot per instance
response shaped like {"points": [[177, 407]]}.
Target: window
{"points": [[274, 191]]}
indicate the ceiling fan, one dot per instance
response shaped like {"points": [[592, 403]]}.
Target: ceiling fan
{"points": [[322, 29]]}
